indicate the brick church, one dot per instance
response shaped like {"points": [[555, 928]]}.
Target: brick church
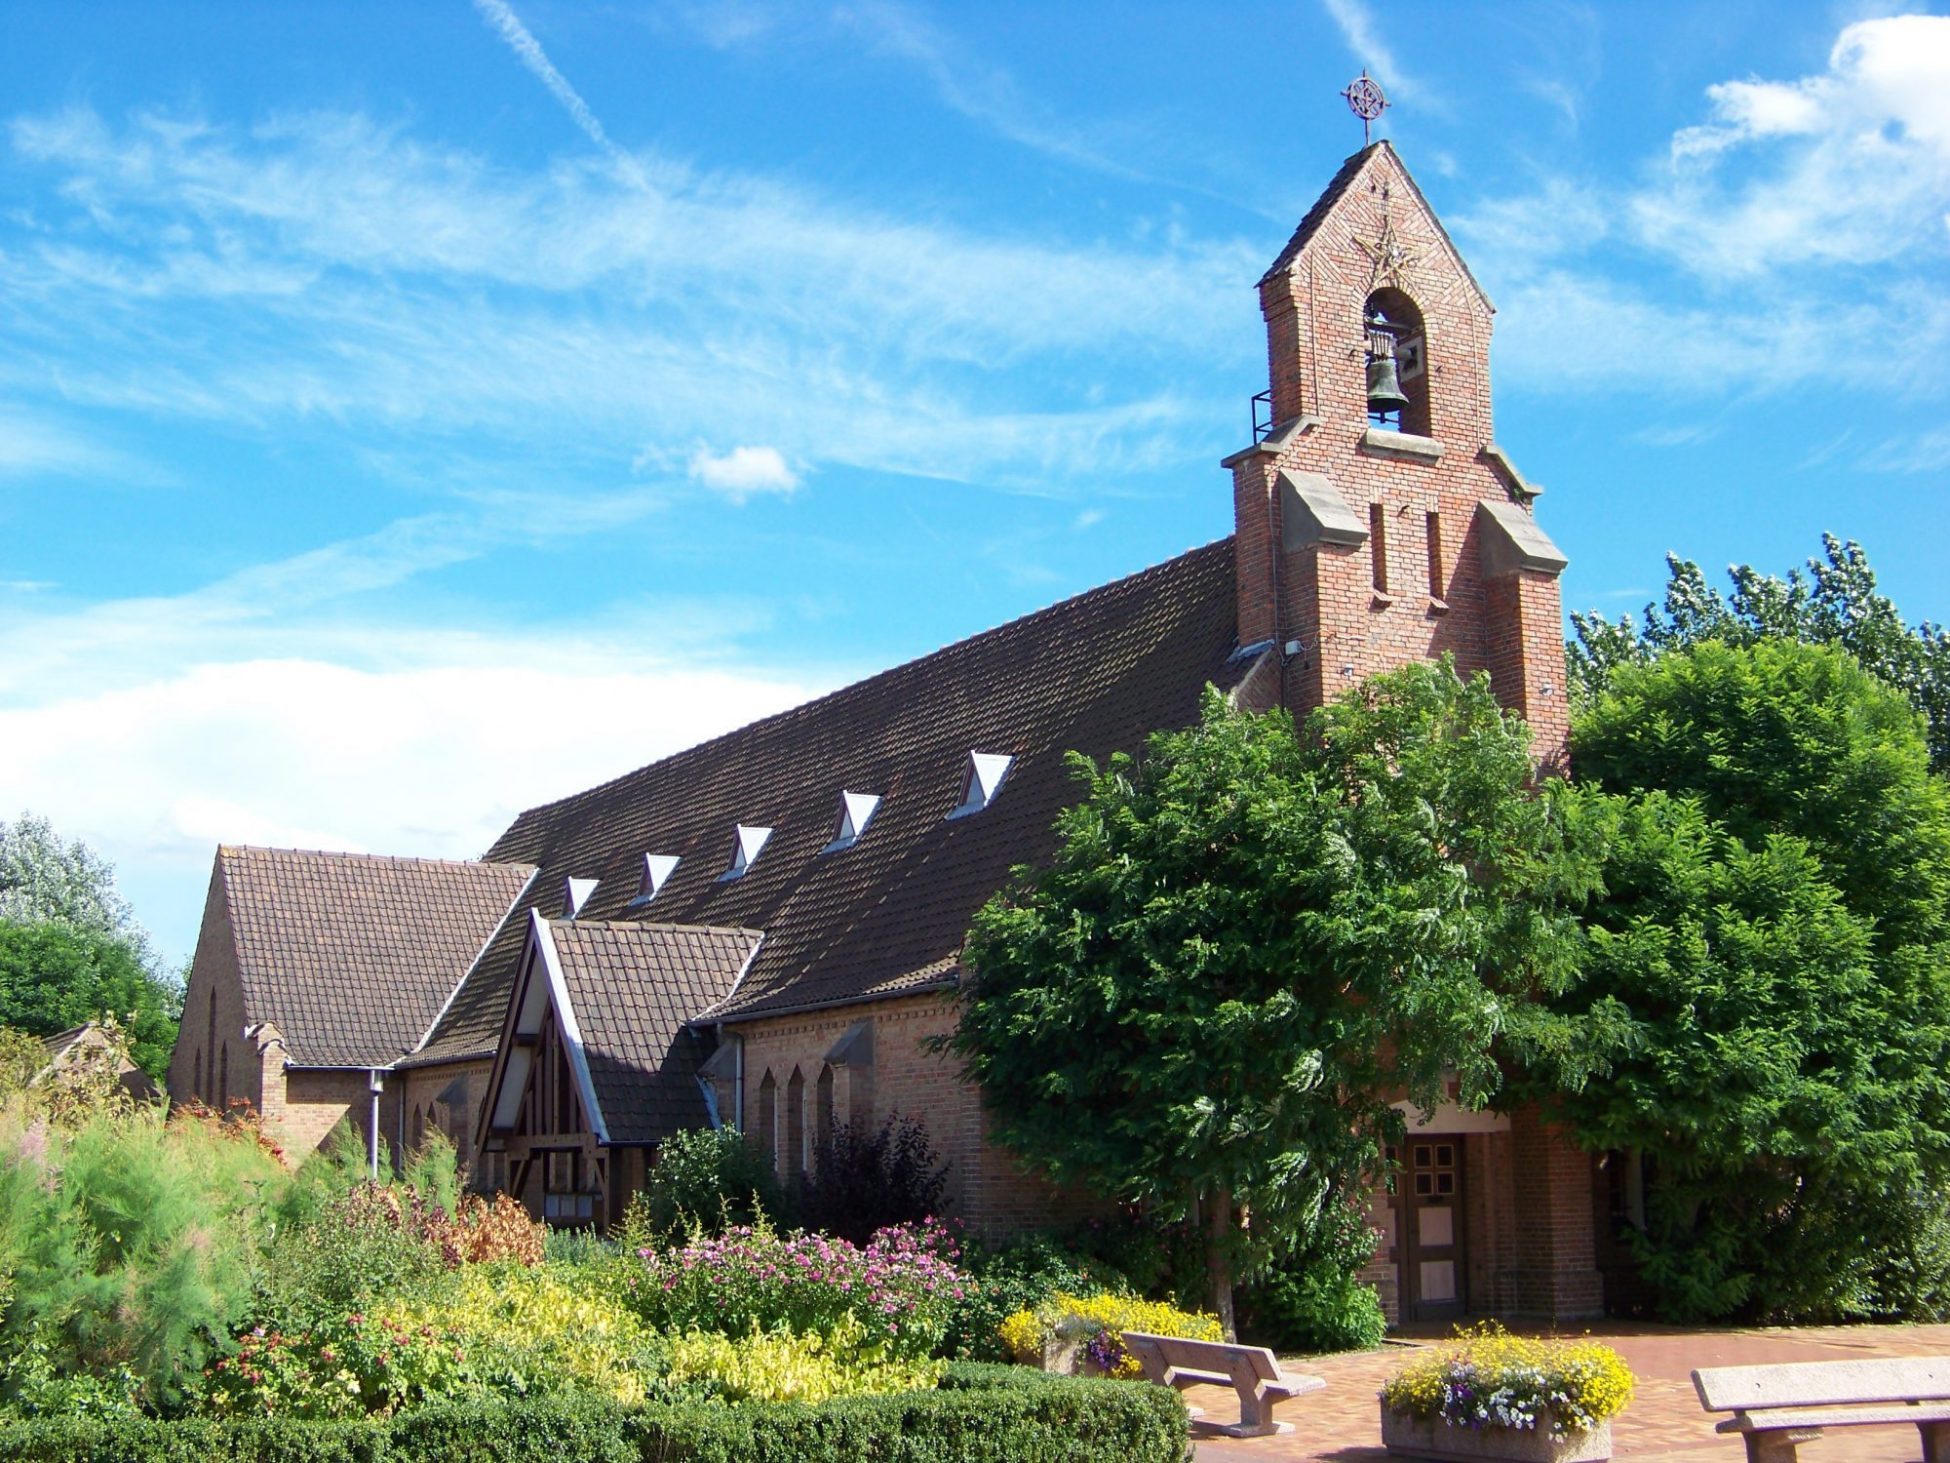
{"points": [[763, 930]]}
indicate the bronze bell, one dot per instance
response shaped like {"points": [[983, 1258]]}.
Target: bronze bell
{"points": [[1384, 386]]}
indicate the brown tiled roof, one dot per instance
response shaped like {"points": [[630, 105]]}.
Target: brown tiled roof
{"points": [[632, 988], [353, 956], [888, 914]]}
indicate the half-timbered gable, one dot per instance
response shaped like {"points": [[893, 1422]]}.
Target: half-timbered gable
{"points": [[598, 1062]]}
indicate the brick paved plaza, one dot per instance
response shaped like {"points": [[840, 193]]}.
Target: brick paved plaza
{"points": [[1342, 1424]]}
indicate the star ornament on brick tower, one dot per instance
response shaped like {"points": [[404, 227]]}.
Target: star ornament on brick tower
{"points": [[1392, 261]]}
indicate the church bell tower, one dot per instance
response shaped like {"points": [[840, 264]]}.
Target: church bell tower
{"points": [[1377, 520]]}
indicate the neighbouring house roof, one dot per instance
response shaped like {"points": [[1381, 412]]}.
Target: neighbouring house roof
{"points": [[65, 1046], [631, 990], [887, 914], [352, 956]]}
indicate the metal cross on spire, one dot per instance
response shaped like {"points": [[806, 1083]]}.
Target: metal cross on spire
{"points": [[1365, 100]]}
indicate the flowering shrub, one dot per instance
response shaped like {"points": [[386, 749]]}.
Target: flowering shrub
{"points": [[1099, 1322], [1014, 1276], [777, 1366], [345, 1368], [902, 1286], [505, 1330], [1489, 1378], [524, 1330]]}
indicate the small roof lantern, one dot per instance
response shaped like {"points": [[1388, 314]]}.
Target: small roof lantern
{"points": [[575, 894], [856, 811], [657, 867], [745, 850], [983, 780]]}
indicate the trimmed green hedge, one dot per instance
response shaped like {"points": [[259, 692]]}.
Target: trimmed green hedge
{"points": [[981, 1414]]}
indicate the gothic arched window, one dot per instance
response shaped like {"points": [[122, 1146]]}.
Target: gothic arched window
{"points": [[795, 1126], [768, 1119]]}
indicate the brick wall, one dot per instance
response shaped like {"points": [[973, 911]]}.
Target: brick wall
{"points": [[1436, 599], [447, 1097], [314, 1102], [210, 1044], [985, 1186], [1550, 1253]]}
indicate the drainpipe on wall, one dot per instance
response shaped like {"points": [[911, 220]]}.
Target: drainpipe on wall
{"points": [[375, 1084]]}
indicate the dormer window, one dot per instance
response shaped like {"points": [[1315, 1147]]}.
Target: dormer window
{"points": [[657, 868], [982, 781], [856, 811], [575, 894], [745, 850]]}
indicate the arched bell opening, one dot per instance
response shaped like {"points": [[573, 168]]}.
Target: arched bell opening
{"points": [[1397, 363]]}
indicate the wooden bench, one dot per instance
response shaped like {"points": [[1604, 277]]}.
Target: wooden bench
{"points": [[1779, 1407], [1251, 1371]]}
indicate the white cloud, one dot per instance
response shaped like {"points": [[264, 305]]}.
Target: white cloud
{"points": [[1851, 166], [508, 25], [1911, 453], [989, 97], [1792, 238], [744, 471], [336, 268], [32, 445], [1365, 38], [280, 705], [429, 759]]}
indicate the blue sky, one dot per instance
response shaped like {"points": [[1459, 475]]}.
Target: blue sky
{"points": [[412, 412]]}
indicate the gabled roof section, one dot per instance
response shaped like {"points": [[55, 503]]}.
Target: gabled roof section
{"points": [[1340, 185], [575, 894], [1095, 674], [353, 956], [623, 992]]}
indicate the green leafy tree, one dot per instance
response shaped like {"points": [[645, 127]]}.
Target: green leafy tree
{"points": [[1835, 602], [1249, 942], [1785, 737], [1763, 995], [44, 879], [54, 976]]}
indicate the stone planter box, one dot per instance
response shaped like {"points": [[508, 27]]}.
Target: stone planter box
{"points": [[1058, 1355], [1413, 1437]]}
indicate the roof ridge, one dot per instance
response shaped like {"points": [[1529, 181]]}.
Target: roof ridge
{"points": [[230, 850], [658, 926], [1113, 587]]}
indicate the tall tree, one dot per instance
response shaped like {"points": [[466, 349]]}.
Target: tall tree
{"points": [[1785, 737], [1250, 942], [70, 948], [1835, 602], [54, 976], [43, 877], [1765, 993]]}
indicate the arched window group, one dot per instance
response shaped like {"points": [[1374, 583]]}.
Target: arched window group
{"points": [[841, 1083]]}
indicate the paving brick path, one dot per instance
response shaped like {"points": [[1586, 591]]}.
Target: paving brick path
{"points": [[1342, 1424]]}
